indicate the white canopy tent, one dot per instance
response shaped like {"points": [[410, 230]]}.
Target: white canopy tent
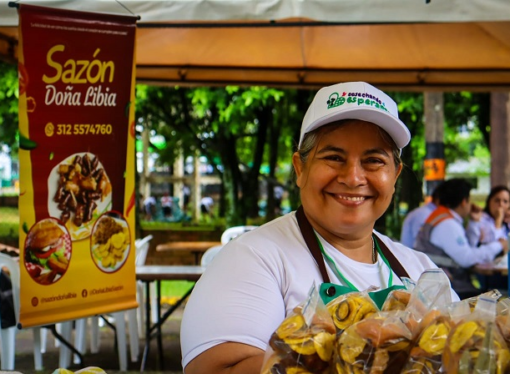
{"points": [[395, 44]]}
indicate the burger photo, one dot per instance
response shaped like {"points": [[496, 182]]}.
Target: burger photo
{"points": [[45, 251]]}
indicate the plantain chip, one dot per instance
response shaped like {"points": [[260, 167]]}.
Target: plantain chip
{"points": [[323, 342], [433, 339], [398, 346], [293, 340], [351, 346], [306, 348], [350, 310], [461, 335], [297, 370], [290, 326]]}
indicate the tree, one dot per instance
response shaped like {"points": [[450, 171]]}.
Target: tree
{"points": [[9, 106], [230, 126]]}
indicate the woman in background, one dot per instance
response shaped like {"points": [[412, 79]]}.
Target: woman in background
{"points": [[490, 225]]}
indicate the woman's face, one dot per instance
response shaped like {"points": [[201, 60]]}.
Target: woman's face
{"points": [[348, 180], [500, 201]]}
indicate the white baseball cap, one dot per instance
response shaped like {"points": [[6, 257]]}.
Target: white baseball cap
{"points": [[355, 100]]}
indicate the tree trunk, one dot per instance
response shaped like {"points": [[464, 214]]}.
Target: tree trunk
{"points": [[274, 137], [303, 100], [500, 138], [235, 212], [251, 183]]}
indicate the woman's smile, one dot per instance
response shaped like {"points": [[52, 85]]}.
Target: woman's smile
{"points": [[350, 200]]}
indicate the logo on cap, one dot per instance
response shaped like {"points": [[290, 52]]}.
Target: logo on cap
{"points": [[361, 98]]}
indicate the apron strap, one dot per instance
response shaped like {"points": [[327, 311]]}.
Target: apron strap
{"points": [[313, 246], [311, 242], [395, 265]]}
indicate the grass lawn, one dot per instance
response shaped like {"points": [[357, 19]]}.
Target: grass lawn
{"points": [[171, 291], [9, 222]]}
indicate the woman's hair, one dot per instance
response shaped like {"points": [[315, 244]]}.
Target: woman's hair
{"points": [[311, 139], [494, 191]]}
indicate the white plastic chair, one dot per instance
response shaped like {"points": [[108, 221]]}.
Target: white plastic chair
{"points": [[208, 255], [134, 320], [9, 334], [234, 232], [142, 248]]}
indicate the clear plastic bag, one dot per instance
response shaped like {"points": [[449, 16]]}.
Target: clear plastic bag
{"points": [[303, 343], [378, 344], [426, 354], [475, 345]]}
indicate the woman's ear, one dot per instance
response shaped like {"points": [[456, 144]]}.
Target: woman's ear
{"points": [[298, 168], [399, 170]]}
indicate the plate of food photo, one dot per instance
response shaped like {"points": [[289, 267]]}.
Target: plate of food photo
{"points": [[47, 251], [110, 242], [79, 191]]}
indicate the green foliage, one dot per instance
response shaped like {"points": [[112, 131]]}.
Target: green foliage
{"points": [[8, 105], [262, 126], [216, 121]]}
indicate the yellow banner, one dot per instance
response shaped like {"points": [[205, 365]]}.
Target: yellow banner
{"points": [[77, 164]]}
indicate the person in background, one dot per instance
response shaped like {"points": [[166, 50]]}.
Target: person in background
{"points": [[166, 205], [443, 236], [490, 225], [347, 164], [150, 207], [7, 316], [278, 198], [416, 218], [206, 204], [186, 195], [507, 217]]}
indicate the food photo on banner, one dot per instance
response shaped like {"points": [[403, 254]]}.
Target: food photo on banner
{"points": [[76, 108]]}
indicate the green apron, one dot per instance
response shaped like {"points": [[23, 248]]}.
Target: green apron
{"points": [[329, 291]]}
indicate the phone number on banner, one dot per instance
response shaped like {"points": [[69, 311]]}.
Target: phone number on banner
{"points": [[78, 129]]}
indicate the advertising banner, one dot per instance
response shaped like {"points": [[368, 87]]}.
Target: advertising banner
{"points": [[76, 128]]}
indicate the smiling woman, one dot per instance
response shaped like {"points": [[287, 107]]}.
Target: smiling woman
{"points": [[347, 164]]}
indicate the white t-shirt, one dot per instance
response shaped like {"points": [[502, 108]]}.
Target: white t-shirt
{"points": [[258, 278], [450, 236], [207, 201], [413, 223], [166, 201], [485, 231]]}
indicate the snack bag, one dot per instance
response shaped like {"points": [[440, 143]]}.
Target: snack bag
{"points": [[503, 318], [350, 308], [426, 354], [475, 344], [432, 291], [303, 343], [492, 294], [396, 300], [378, 344]]}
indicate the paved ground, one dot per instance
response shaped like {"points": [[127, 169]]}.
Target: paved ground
{"points": [[107, 357]]}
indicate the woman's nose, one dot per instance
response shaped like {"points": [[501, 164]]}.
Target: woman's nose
{"points": [[351, 174]]}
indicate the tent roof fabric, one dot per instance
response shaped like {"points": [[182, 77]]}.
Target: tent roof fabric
{"points": [[394, 44]]}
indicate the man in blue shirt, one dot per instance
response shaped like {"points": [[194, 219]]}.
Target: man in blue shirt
{"points": [[416, 218]]}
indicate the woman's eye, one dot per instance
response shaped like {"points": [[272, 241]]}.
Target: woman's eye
{"points": [[374, 161], [333, 158]]}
